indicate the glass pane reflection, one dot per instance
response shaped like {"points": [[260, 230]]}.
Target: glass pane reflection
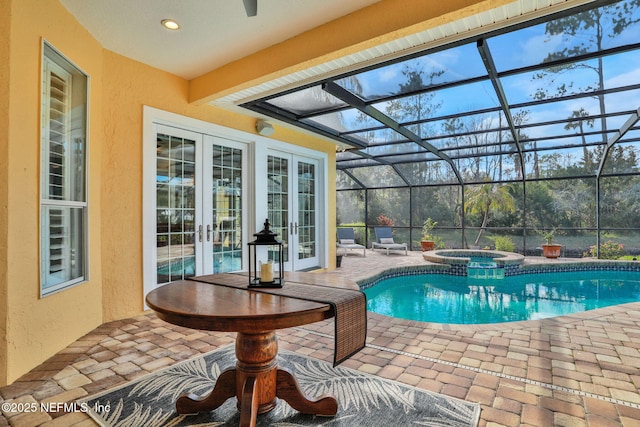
{"points": [[448, 66], [344, 121], [378, 176], [307, 101]]}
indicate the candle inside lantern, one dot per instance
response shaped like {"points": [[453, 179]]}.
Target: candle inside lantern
{"points": [[266, 272]]}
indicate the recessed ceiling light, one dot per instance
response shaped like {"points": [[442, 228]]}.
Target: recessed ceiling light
{"points": [[170, 24]]}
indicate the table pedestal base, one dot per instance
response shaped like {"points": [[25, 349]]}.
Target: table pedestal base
{"points": [[256, 382]]}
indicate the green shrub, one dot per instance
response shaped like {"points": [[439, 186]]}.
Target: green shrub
{"points": [[608, 250], [503, 243]]}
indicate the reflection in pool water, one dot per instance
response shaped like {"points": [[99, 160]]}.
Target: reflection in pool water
{"points": [[454, 299], [180, 268]]}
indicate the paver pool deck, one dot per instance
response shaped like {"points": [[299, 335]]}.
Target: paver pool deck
{"points": [[576, 370]]}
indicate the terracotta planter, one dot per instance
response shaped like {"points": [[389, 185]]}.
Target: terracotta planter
{"points": [[551, 251], [427, 245]]}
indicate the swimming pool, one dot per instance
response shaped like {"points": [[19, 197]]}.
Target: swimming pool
{"points": [[443, 298]]}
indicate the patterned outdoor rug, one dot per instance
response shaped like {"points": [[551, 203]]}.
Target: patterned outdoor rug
{"points": [[363, 400]]}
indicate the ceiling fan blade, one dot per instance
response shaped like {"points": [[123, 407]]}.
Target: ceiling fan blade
{"points": [[251, 6]]}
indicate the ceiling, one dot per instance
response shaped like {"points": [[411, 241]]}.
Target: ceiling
{"points": [[213, 32]]}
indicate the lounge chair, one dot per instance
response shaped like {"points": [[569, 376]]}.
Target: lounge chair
{"points": [[347, 241], [384, 240]]}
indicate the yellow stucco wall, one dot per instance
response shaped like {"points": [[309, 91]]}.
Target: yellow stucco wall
{"points": [[5, 25], [36, 328]]}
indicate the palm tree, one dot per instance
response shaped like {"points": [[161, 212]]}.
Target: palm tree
{"points": [[487, 198]]}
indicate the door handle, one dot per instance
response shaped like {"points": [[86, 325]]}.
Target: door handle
{"points": [[296, 228], [200, 233], [208, 232], [291, 228]]}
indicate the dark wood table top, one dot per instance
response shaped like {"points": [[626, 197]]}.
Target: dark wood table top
{"points": [[207, 306]]}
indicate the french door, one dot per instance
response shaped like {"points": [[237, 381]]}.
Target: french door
{"points": [[292, 207], [199, 204]]}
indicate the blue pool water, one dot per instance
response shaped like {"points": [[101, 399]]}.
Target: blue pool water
{"points": [[481, 259], [444, 298], [186, 267]]}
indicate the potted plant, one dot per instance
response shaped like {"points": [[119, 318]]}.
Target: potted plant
{"points": [[550, 249], [428, 241]]}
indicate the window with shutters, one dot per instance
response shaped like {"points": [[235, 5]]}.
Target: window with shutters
{"points": [[63, 201]]}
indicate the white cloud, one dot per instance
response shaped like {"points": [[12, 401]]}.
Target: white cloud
{"points": [[534, 49], [630, 77], [387, 74]]}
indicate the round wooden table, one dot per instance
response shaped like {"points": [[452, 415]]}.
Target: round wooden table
{"points": [[256, 380]]}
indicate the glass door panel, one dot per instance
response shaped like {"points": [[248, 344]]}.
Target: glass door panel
{"points": [[306, 210], [225, 233], [278, 201], [175, 207], [292, 208], [306, 230]]}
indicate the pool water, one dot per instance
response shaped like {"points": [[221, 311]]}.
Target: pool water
{"points": [[186, 267], [481, 260], [443, 298]]}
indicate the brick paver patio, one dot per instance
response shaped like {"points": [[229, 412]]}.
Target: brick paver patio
{"points": [[576, 370]]}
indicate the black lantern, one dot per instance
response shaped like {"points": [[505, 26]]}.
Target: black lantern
{"points": [[262, 275]]}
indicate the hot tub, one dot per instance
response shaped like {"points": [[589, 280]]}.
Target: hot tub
{"points": [[477, 264]]}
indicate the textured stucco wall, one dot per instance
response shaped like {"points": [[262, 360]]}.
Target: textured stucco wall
{"points": [[36, 328], [5, 26]]}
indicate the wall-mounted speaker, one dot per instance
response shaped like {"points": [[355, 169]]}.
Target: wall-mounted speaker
{"points": [[264, 128]]}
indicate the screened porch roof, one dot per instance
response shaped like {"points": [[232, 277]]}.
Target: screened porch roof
{"points": [[565, 88]]}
